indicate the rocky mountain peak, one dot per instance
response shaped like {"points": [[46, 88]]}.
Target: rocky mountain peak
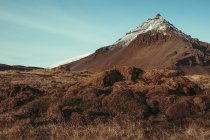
{"points": [[157, 24], [158, 15]]}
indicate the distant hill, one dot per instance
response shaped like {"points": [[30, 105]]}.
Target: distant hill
{"points": [[4, 67]]}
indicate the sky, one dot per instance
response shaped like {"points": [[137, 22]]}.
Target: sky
{"points": [[45, 33]]}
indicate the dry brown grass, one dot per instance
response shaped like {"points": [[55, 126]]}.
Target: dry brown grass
{"points": [[202, 80], [109, 131], [40, 77], [52, 83]]}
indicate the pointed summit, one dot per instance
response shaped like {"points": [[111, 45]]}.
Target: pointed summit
{"points": [[157, 24], [158, 15]]}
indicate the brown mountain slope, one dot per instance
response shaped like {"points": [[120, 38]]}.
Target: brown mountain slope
{"points": [[156, 48], [148, 51]]}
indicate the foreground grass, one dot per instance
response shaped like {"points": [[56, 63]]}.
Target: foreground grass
{"points": [[111, 131], [202, 80]]}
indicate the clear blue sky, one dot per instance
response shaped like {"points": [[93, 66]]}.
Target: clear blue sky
{"points": [[45, 32]]}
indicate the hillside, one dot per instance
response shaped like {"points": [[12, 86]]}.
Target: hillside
{"points": [[130, 101]]}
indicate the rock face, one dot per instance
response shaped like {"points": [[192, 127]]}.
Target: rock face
{"points": [[154, 44]]}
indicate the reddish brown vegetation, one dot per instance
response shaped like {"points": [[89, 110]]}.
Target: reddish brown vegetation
{"points": [[123, 93]]}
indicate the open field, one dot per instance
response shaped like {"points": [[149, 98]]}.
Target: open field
{"points": [[100, 131], [117, 104], [110, 131]]}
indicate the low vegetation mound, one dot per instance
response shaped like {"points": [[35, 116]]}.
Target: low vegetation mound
{"points": [[119, 94]]}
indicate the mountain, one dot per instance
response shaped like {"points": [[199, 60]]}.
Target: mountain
{"points": [[154, 44], [132, 102], [4, 67]]}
